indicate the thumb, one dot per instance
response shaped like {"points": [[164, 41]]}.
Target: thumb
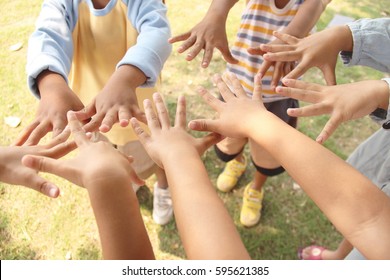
{"points": [[43, 164], [227, 56], [203, 125]]}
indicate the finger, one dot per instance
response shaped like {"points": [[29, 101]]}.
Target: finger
{"points": [[329, 75], [257, 95], [23, 136], [264, 68], [213, 102], [331, 125], [276, 48], [42, 164], [77, 130], [282, 56], [299, 70], [58, 126], [256, 51], [59, 138], [152, 120], [309, 111], [87, 112], [301, 85], [161, 111], [39, 184], [223, 88], [276, 75], [208, 141], [60, 150], [207, 56], [181, 119], [289, 39], [195, 50], [179, 38], [138, 130], [138, 113], [302, 95], [187, 44], [94, 123], [39, 132], [236, 84], [124, 116], [108, 121], [227, 55], [204, 125]]}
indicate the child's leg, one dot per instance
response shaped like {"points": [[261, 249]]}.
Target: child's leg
{"points": [[230, 150], [265, 166], [145, 167], [162, 201]]}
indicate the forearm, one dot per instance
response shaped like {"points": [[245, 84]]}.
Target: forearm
{"points": [[306, 18], [205, 227], [49, 83], [121, 228], [128, 75], [358, 209]]}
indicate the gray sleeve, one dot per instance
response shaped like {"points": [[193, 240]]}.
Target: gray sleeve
{"points": [[371, 41]]}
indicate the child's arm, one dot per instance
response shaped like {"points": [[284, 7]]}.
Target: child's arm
{"points": [[49, 58], [343, 102], [300, 26], [208, 34], [13, 172], [205, 227], [56, 99], [359, 42], [140, 67], [115, 205], [358, 209], [320, 50]]}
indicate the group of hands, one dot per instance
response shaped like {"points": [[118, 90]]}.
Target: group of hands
{"points": [[23, 160]]}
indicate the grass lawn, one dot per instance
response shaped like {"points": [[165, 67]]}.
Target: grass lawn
{"points": [[35, 227]]}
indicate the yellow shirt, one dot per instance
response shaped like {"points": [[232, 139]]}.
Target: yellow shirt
{"points": [[100, 42]]}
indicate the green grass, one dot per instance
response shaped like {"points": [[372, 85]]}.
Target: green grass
{"points": [[35, 227]]}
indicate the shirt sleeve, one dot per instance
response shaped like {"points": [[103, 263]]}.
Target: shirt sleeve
{"points": [[371, 38], [152, 48], [50, 46]]}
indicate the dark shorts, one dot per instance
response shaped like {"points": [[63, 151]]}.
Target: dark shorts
{"points": [[279, 108]]}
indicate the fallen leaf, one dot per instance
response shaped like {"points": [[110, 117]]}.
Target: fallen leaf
{"points": [[16, 47], [12, 121]]}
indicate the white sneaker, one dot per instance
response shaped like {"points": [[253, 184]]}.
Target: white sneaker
{"points": [[162, 205]]}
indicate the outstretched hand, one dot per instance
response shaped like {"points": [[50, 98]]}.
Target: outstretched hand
{"points": [[343, 102], [165, 139], [13, 172], [235, 112], [207, 35], [93, 163], [317, 50]]}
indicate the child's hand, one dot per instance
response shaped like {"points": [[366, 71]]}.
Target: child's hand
{"points": [[56, 100], [13, 172], [281, 68], [342, 102], [166, 142], [207, 35], [117, 102], [235, 113], [317, 50], [94, 163]]}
